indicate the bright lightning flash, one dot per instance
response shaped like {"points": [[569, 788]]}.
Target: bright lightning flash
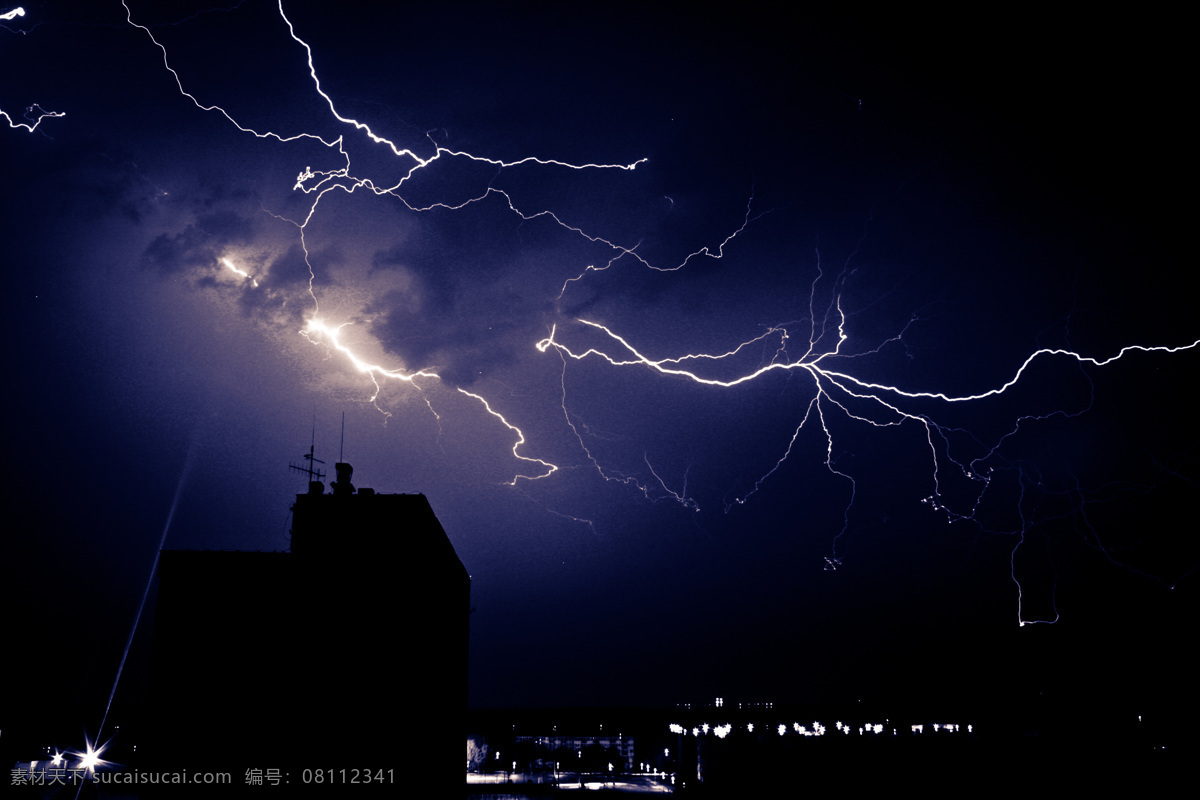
{"points": [[819, 359], [230, 266]]}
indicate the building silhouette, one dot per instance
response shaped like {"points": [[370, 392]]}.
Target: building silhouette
{"points": [[347, 653]]}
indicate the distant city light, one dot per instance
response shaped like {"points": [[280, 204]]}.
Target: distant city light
{"points": [[817, 728], [90, 759]]}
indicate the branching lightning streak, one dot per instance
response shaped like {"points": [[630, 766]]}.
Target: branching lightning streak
{"points": [[679, 497], [321, 333], [216, 108], [839, 389], [233, 268], [1099, 362], [550, 468], [860, 400], [714, 253], [609, 474], [318, 183], [35, 114]]}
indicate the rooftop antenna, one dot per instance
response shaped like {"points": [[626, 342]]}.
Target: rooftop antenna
{"points": [[342, 449], [308, 469]]}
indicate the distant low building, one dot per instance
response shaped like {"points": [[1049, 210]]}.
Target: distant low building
{"points": [[618, 749]]}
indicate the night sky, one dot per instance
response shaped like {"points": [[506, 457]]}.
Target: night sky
{"points": [[859, 221]]}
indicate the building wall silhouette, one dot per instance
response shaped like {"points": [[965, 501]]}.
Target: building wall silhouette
{"points": [[347, 653]]}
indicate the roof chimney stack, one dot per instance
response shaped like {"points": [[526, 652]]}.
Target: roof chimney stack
{"points": [[342, 486]]}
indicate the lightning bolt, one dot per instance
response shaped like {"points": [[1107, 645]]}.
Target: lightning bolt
{"points": [[813, 353], [34, 114], [859, 400], [821, 361], [317, 183], [229, 265]]}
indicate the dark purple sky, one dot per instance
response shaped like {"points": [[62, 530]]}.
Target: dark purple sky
{"points": [[949, 204]]}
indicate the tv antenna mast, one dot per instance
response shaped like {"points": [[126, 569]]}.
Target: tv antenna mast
{"points": [[309, 469]]}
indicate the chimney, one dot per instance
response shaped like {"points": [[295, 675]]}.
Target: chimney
{"points": [[342, 486]]}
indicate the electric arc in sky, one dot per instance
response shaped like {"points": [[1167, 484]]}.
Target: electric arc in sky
{"points": [[34, 116], [833, 391], [815, 352], [820, 355]]}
